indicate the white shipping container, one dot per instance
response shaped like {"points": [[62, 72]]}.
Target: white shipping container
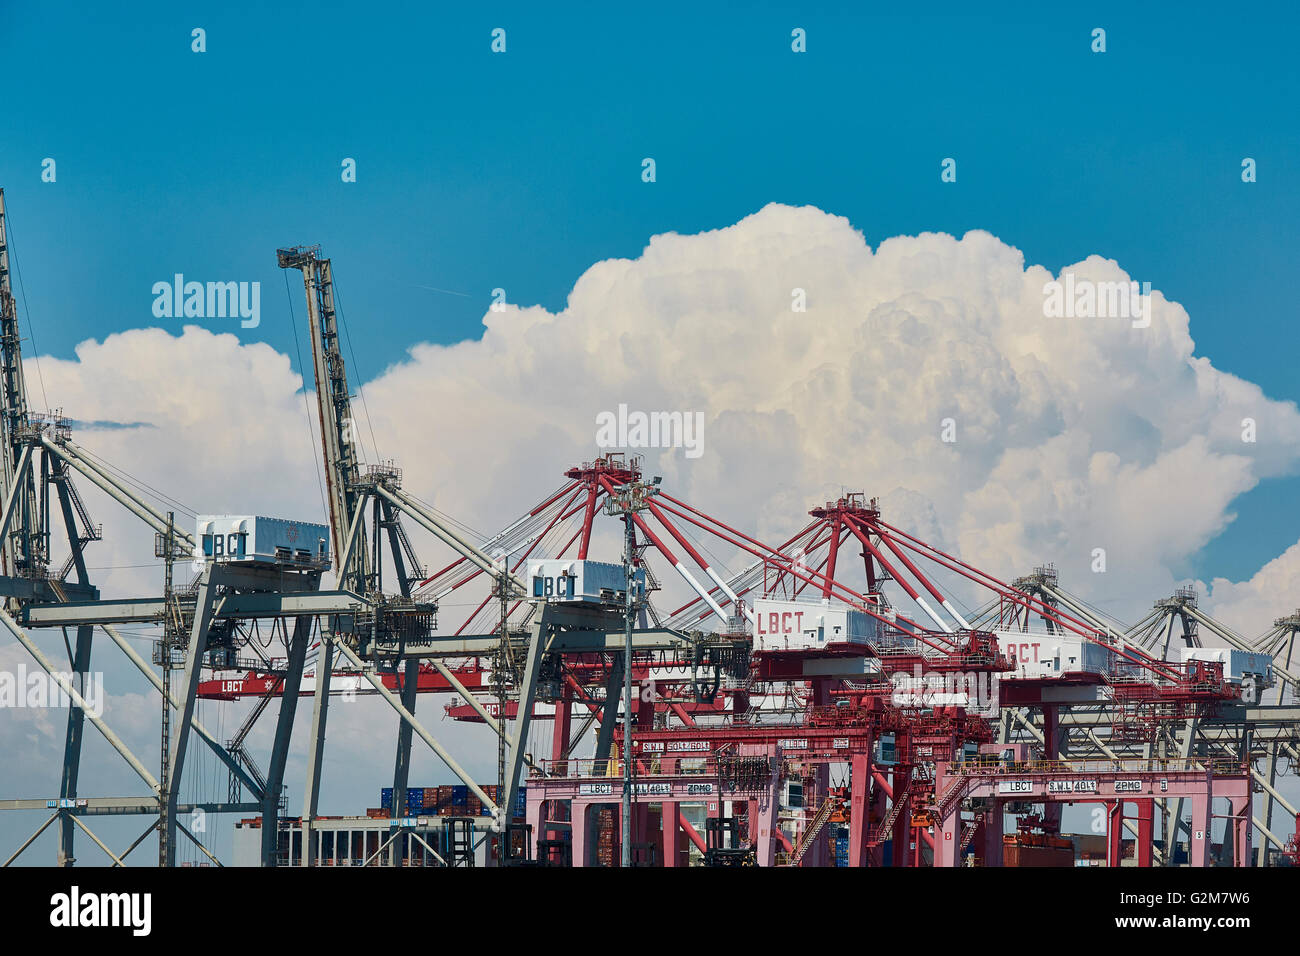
{"points": [[1039, 655], [803, 625], [1236, 663]]}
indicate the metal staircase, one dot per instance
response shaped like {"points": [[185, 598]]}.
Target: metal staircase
{"points": [[814, 828], [959, 788], [88, 532], [887, 825], [240, 753]]}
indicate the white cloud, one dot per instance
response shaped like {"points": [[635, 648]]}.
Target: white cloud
{"points": [[1250, 607], [1073, 434]]}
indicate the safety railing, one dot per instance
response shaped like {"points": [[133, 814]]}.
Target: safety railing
{"points": [[1167, 765], [657, 765]]}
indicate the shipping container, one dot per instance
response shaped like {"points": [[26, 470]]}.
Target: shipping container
{"points": [[591, 582], [256, 539], [801, 625], [1237, 664], [1036, 850], [1037, 655]]}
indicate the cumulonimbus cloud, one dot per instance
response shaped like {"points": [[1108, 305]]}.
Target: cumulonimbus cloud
{"points": [[1071, 434]]}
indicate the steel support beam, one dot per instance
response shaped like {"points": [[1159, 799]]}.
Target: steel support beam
{"points": [[283, 733], [72, 745], [66, 686], [214, 745], [410, 682], [188, 689], [424, 735], [240, 606], [316, 744], [198, 843], [609, 713], [346, 577], [32, 839], [128, 806], [444, 532], [1261, 857], [15, 492], [524, 715], [476, 705], [1185, 747], [98, 842], [113, 487]]}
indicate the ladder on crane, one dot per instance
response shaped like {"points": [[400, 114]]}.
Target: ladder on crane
{"points": [[89, 531], [237, 750], [819, 821], [959, 788], [887, 825], [967, 836]]}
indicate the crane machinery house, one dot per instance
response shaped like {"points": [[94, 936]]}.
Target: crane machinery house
{"points": [[586, 582], [1037, 655], [802, 625], [1238, 665], [258, 540]]}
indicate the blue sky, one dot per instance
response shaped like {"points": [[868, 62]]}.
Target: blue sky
{"points": [[518, 171]]}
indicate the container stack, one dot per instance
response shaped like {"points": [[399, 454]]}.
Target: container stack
{"points": [[450, 800]]}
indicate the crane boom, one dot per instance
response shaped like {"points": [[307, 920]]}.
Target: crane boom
{"points": [[334, 405], [21, 545]]}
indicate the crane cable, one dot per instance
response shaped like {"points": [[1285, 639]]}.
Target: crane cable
{"points": [[311, 437]]}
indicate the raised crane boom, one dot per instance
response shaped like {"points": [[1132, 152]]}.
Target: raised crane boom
{"points": [[342, 463], [22, 540]]}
